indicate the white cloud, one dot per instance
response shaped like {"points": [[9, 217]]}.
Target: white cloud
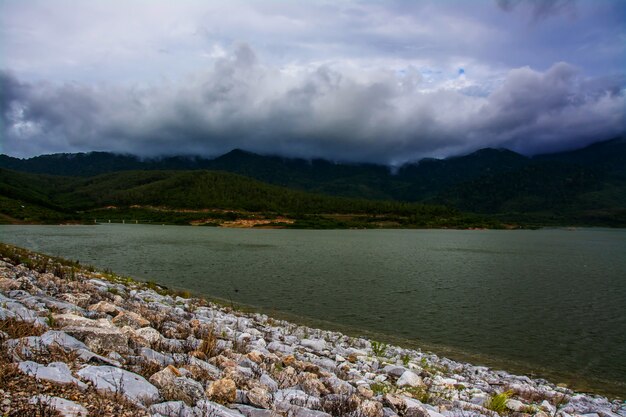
{"points": [[330, 111]]}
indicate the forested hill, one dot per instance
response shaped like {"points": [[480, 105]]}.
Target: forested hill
{"points": [[211, 197], [584, 187], [411, 182]]}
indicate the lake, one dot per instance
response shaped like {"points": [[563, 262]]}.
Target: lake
{"points": [[548, 303]]}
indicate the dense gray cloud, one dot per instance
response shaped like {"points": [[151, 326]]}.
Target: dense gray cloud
{"points": [[329, 111], [351, 80]]}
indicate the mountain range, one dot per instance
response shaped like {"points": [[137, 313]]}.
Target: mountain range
{"points": [[581, 187]]}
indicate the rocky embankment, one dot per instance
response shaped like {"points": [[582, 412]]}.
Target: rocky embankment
{"points": [[76, 342]]}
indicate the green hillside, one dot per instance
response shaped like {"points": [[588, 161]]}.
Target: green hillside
{"points": [[581, 187], [205, 196]]}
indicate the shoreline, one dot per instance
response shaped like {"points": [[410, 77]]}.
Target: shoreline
{"points": [[588, 385], [598, 382], [260, 364]]}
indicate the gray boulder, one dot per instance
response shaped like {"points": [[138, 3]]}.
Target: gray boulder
{"points": [[132, 386], [209, 408], [57, 372], [65, 407]]}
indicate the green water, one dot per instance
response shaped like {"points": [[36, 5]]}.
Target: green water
{"points": [[548, 303]]}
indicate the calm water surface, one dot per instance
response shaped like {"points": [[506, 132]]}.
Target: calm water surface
{"points": [[548, 303]]}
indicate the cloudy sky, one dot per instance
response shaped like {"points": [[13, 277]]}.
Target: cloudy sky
{"points": [[379, 81]]}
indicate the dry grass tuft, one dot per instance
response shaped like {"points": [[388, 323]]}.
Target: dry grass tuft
{"points": [[16, 328], [208, 347]]}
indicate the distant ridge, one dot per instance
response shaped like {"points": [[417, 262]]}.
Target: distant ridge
{"points": [[587, 183]]}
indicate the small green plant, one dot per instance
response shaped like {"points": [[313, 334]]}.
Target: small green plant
{"points": [[113, 290], [420, 393], [497, 402], [379, 348], [405, 359], [380, 388], [50, 321]]}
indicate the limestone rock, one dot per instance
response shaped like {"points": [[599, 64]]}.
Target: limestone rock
{"points": [[296, 397], [255, 356], [248, 411], [311, 384], [289, 360], [130, 318], [316, 345], [288, 377], [183, 389], [7, 284], [164, 376], [65, 407], [100, 339], [417, 411], [269, 383], [515, 405], [171, 409], [369, 408], [103, 307], [409, 378], [209, 408], [154, 356], [62, 340], [259, 398], [394, 402], [223, 391], [70, 319], [132, 386], [57, 372], [393, 370], [149, 334], [365, 391], [338, 386]]}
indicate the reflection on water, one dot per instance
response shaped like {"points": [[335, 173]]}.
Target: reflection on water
{"points": [[548, 302]]}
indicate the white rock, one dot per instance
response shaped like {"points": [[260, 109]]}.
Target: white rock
{"points": [[296, 397], [57, 372], [149, 334], [154, 356], [67, 408], [548, 407], [209, 408], [515, 405], [20, 312], [62, 339], [276, 346], [394, 370], [132, 386], [268, 381], [172, 409], [314, 344], [409, 378]]}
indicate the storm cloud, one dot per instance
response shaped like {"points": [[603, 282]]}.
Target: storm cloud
{"points": [[318, 111], [348, 81]]}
